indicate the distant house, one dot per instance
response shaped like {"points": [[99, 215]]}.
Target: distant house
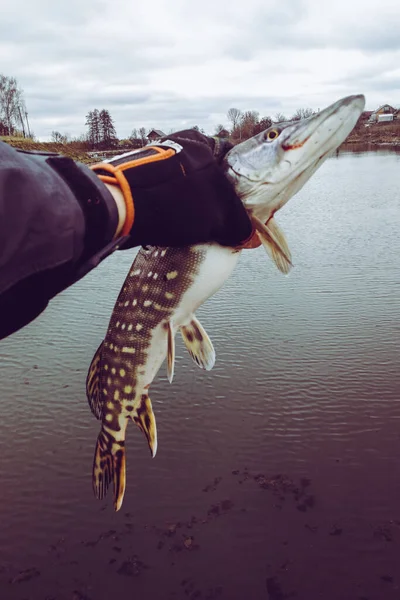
{"points": [[224, 133], [386, 112], [366, 115], [155, 134]]}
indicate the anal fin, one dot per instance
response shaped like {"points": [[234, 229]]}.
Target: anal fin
{"points": [[93, 384], [198, 344], [274, 242], [144, 418]]}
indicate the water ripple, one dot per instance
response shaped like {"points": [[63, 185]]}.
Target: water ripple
{"points": [[306, 382]]}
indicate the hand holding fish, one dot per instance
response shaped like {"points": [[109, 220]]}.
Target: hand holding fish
{"points": [[59, 220], [176, 194]]}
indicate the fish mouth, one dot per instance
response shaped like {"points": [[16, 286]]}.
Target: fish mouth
{"points": [[300, 143], [326, 129]]}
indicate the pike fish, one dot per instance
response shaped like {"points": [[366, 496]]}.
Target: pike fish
{"points": [[165, 286]]}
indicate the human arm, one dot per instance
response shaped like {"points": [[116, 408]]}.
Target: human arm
{"points": [[58, 220]]}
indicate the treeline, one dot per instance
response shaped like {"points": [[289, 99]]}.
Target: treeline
{"points": [[101, 134], [100, 127], [101, 130], [248, 123]]}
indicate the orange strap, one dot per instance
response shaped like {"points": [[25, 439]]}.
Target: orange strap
{"points": [[118, 178], [253, 241]]}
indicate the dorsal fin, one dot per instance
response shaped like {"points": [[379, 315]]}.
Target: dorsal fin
{"points": [[93, 384]]}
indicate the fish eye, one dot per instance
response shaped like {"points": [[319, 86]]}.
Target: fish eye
{"points": [[272, 134]]}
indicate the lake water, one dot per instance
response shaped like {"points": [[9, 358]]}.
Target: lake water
{"points": [[277, 474]]}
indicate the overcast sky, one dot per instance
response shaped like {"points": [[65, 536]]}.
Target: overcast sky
{"points": [[172, 64]]}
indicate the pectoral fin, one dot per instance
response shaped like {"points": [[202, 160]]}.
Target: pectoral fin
{"points": [[274, 242], [171, 353], [93, 384], [198, 344]]}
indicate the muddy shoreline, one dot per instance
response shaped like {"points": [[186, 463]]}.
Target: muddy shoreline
{"points": [[142, 554]]}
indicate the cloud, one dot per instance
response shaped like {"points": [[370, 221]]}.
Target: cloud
{"points": [[176, 64]]}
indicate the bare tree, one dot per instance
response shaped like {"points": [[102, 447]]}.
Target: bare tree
{"points": [[249, 123], [219, 128], [279, 118], [11, 103], [264, 124], [58, 138], [302, 113], [134, 135], [234, 115], [142, 135], [80, 142]]}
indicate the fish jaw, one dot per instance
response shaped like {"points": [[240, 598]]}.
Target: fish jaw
{"points": [[268, 169]]}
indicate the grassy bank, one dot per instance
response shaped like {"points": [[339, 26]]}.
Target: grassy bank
{"points": [[72, 150], [378, 133], [75, 150]]}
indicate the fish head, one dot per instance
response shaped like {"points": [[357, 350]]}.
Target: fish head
{"points": [[269, 168]]}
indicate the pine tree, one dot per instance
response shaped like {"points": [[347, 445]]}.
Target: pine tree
{"points": [[107, 133], [89, 125], [93, 124], [96, 127]]}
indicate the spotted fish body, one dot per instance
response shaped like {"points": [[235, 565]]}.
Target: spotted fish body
{"points": [[160, 295], [165, 286]]}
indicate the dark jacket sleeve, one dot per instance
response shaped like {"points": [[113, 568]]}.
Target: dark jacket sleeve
{"points": [[46, 229]]}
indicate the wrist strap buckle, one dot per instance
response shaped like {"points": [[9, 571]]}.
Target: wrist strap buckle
{"points": [[112, 172]]}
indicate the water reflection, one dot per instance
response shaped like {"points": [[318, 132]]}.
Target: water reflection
{"points": [[361, 148]]}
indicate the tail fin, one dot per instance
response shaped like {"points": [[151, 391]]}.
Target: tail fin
{"points": [[144, 418], [109, 465]]}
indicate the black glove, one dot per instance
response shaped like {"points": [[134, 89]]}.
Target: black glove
{"points": [[181, 199]]}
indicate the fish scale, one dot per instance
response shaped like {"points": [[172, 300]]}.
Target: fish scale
{"points": [[165, 286]]}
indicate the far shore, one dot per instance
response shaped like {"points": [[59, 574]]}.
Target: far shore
{"points": [[377, 134], [387, 134], [369, 144]]}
